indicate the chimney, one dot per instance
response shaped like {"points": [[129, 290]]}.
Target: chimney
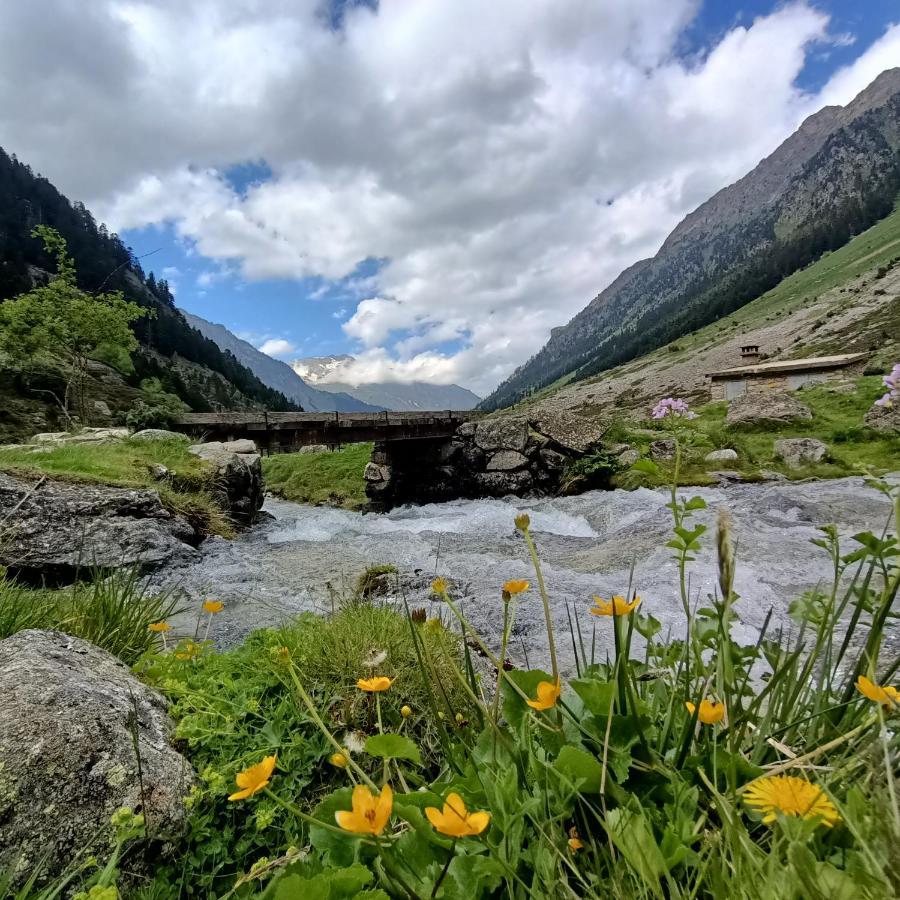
{"points": [[750, 354]]}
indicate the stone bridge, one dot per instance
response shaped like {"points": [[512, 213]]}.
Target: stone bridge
{"points": [[421, 457]]}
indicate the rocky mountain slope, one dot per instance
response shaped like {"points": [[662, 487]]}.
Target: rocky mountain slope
{"points": [[838, 174], [278, 375], [848, 301], [417, 395]]}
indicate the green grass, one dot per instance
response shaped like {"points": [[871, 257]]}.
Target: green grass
{"points": [[111, 610], [837, 421], [320, 478], [187, 492]]}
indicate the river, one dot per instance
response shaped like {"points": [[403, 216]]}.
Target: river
{"points": [[306, 558]]}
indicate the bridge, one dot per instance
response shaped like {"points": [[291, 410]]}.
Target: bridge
{"points": [[276, 432]]}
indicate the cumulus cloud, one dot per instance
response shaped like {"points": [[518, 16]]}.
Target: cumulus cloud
{"points": [[277, 347], [503, 161]]}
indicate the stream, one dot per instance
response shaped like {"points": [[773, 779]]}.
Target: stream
{"points": [[306, 558]]}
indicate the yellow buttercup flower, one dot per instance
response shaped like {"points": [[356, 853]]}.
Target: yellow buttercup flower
{"points": [[375, 685], [189, 651], [160, 627], [574, 841], [370, 811], [439, 586], [516, 586], [339, 759], [711, 711], [886, 695], [455, 820], [618, 606], [547, 695], [254, 779], [213, 606], [790, 796]]}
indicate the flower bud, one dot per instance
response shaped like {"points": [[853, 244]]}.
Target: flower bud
{"points": [[339, 760], [523, 522], [405, 711]]}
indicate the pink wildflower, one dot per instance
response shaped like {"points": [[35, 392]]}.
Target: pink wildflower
{"points": [[892, 383], [672, 406]]}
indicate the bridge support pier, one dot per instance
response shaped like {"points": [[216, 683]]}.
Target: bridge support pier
{"points": [[415, 471]]}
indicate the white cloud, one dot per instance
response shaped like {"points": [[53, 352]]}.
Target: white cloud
{"points": [[505, 160], [277, 347]]}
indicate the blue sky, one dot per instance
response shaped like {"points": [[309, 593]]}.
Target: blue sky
{"points": [[431, 186]]}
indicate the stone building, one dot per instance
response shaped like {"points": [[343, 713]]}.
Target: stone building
{"points": [[782, 375]]}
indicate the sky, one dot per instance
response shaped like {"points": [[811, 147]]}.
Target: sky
{"points": [[429, 185]]}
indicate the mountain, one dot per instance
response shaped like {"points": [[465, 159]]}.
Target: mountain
{"points": [[278, 375], [417, 395], [835, 176], [184, 361]]}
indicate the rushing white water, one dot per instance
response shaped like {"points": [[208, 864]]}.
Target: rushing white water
{"points": [[594, 544]]}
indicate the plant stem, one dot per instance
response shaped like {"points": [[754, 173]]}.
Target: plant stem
{"points": [[535, 561]]}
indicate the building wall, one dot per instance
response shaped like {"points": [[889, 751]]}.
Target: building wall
{"points": [[728, 388]]}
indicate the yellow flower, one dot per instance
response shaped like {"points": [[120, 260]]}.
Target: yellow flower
{"points": [[190, 650], [439, 586], [791, 796], [710, 711], [160, 627], [339, 759], [887, 695], [254, 779], [376, 684], [455, 820], [370, 811], [516, 586], [547, 695], [213, 606], [618, 606], [405, 711], [574, 841]]}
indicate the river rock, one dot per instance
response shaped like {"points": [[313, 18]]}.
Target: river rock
{"points": [[240, 486], [725, 455], [883, 418], [158, 434], [663, 449], [53, 529], [70, 715], [505, 433], [627, 458], [242, 445], [500, 484], [507, 460], [797, 452], [776, 408], [572, 432]]}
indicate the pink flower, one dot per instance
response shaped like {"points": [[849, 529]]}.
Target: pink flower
{"points": [[892, 383], [672, 406]]}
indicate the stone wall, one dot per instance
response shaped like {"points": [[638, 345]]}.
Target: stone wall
{"points": [[492, 457], [781, 382]]}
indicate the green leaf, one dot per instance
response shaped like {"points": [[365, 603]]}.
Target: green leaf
{"points": [[695, 503], [596, 695], [646, 466], [581, 768], [393, 746], [514, 707]]}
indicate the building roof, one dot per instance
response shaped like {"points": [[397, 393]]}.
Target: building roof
{"points": [[792, 365]]}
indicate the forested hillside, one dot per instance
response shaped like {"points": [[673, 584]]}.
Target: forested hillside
{"points": [[185, 362]]}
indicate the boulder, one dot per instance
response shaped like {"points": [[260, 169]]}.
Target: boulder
{"points": [[506, 461], [726, 455], [572, 432], [239, 484], [52, 529], [158, 434], [766, 409], [663, 448], [73, 720], [101, 407], [82, 436], [797, 452], [884, 418], [500, 484], [627, 458], [502, 433], [242, 445], [373, 472]]}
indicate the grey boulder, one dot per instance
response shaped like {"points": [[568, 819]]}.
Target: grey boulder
{"points": [[663, 449], [726, 455], [883, 418], [764, 408], [53, 528], [73, 720], [797, 452], [238, 483], [158, 434]]}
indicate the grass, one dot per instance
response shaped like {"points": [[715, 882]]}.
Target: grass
{"points": [[334, 478], [111, 610], [188, 490], [837, 420]]}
